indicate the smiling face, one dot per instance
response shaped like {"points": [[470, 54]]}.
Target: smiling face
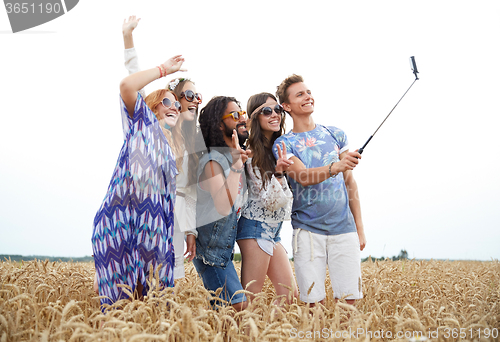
{"points": [[272, 123], [189, 109], [168, 115], [228, 124], [300, 100]]}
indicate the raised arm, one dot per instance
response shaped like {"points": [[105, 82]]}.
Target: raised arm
{"points": [[127, 29], [130, 54], [311, 176], [131, 84], [225, 190]]}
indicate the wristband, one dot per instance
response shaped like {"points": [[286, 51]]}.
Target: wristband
{"points": [[330, 170], [237, 170], [280, 174], [163, 70]]}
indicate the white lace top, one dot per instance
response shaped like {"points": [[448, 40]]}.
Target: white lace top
{"points": [[271, 204]]}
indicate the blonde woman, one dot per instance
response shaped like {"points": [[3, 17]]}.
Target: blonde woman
{"points": [[133, 228], [182, 142]]}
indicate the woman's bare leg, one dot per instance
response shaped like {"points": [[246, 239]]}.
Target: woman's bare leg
{"points": [[280, 272], [254, 265]]}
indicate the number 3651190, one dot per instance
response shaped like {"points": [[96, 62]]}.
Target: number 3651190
{"points": [[27, 7]]}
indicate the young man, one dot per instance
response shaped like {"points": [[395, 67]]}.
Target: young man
{"points": [[326, 214], [221, 187]]}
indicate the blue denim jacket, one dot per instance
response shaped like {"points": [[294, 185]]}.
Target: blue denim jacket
{"points": [[216, 233]]}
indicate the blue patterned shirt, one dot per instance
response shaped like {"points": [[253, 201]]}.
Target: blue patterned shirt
{"points": [[322, 208]]}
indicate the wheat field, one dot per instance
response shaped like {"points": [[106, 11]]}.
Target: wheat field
{"points": [[403, 301]]}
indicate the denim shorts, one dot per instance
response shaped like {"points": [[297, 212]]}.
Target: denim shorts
{"points": [[226, 278], [266, 234]]}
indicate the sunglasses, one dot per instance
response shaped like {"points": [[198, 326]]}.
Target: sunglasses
{"points": [[190, 96], [167, 103], [236, 115], [268, 111]]}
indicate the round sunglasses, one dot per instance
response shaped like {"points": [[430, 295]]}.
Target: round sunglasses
{"points": [[268, 111], [235, 114], [190, 96], [167, 103]]}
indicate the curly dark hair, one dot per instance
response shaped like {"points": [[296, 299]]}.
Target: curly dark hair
{"points": [[261, 147], [210, 119]]}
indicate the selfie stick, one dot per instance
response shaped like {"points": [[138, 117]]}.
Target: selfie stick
{"points": [[415, 72]]}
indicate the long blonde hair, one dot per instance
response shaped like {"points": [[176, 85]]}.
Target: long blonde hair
{"points": [[174, 137]]}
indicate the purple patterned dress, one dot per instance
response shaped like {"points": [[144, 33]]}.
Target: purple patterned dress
{"points": [[133, 228]]}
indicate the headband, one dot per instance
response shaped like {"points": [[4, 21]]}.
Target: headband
{"points": [[262, 106]]}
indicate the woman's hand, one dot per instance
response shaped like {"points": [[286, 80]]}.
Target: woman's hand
{"points": [[130, 25], [127, 28], [174, 64], [283, 162]]}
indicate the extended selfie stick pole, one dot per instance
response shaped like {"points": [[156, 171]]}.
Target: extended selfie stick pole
{"points": [[415, 71]]}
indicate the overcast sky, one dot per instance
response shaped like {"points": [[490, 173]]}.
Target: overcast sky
{"points": [[428, 181]]}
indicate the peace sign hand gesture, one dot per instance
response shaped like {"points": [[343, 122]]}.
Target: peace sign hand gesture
{"points": [[237, 152], [283, 162]]}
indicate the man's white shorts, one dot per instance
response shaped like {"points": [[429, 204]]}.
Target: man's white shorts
{"points": [[313, 252]]}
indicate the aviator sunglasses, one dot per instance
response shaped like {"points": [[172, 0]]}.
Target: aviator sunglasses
{"points": [[167, 103], [190, 96], [236, 115]]}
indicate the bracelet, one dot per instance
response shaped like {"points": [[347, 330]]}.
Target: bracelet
{"points": [[330, 170], [280, 174], [237, 170], [163, 71]]}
